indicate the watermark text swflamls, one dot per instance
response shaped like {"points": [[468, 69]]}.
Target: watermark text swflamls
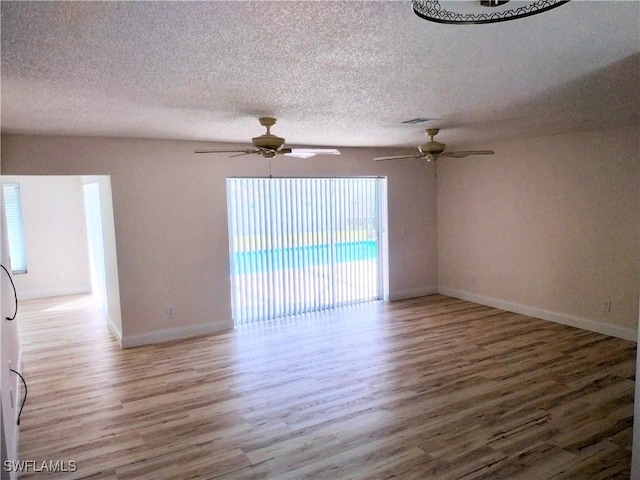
{"points": [[50, 466]]}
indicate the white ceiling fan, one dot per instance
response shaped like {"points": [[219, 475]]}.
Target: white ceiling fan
{"points": [[432, 150], [269, 145]]}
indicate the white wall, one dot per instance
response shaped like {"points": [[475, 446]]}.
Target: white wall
{"points": [[171, 222], [548, 227], [55, 237]]}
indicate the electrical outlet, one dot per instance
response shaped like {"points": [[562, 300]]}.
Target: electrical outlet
{"points": [[170, 311], [606, 305], [473, 280], [10, 372]]}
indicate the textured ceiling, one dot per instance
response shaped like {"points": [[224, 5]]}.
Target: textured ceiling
{"points": [[333, 73]]}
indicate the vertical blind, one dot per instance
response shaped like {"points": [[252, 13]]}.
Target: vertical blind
{"points": [[299, 245], [15, 232]]}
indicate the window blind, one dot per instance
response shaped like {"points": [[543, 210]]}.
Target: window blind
{"points": [[15, 232], [300, 245]]}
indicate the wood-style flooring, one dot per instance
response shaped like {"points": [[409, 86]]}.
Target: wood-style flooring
{"points": [[429, 388]]}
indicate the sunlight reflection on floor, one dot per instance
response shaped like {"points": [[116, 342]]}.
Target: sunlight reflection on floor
{"points": [[82, 303]]}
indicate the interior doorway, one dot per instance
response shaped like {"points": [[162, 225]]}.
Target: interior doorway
{"points": [[101, 240], [70, 241]]}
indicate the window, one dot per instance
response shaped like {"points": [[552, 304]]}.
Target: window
{"points": [[15, 232], [300, 245]]}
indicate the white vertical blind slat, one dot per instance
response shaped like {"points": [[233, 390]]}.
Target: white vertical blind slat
{"points": [[285, 222], [360, 276], [340, 289], [311, 239], [294, 246], [233, 234], [267, 252], [258, 233], [238, 241], [323, 252], [250, 290], [265, 279], [350, 247], [280, 259]]}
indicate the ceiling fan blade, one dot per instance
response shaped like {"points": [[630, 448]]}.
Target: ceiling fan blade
{"points": [[310, 152], [248, 152], [382, 159], [228, 151], [300, 155], [466, 153]]}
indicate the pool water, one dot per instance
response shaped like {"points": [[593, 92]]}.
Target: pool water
{"points": [[303, 257]]}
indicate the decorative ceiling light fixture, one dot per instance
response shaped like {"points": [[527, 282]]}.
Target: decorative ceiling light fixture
{"points": [[479, 12]]}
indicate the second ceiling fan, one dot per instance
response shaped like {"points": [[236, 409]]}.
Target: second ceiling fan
{"points": [[269, 145], [432, 150]]}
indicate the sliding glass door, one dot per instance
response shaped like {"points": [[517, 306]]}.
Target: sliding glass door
{"points": [[299, 245]]}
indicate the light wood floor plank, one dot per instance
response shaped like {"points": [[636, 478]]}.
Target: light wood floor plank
{"points": [[428, 388]]}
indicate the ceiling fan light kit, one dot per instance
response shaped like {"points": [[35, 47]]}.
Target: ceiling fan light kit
{"points": [[456, 12]]}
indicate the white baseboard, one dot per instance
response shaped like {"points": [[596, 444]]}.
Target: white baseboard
{"points": [[169, 334], [117, 333], [412, 293], [52, 292], [585, 324]]}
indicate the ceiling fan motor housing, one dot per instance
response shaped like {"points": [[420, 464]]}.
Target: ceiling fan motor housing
{"points": [[269, 141], [432, 147]]}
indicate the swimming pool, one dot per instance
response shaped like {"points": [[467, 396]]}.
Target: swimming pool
{"points": [[302, 257]]}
